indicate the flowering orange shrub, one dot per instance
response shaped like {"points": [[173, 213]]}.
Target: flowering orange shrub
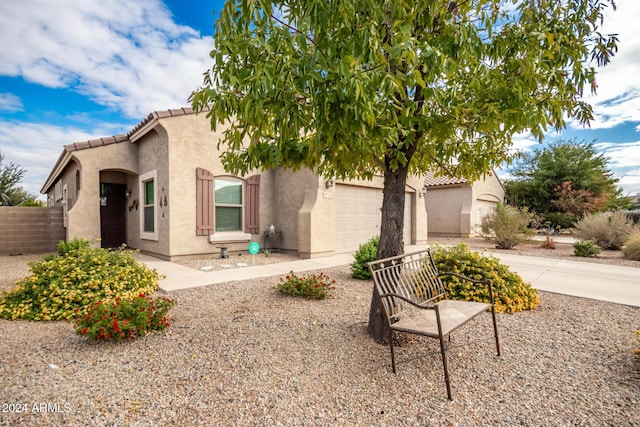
{"points": [[124, 318], [313, 286]]}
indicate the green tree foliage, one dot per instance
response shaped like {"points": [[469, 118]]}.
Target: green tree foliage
{"points": [[567, 178], [10, 176], [355, 88]]}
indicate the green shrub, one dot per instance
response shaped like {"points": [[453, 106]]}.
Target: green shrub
{"points": [[63, 287], [511, 293], [607, 230], [585, 248], [559, 220], [631, 249], [509, 225], [124, 318], [72, 245], [366, 252], [313, 286]]}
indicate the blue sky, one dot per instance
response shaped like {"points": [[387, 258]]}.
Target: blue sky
{"points": [[73, 70]]}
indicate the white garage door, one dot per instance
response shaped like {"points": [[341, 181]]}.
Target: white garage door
{"points": [[358, 216]]}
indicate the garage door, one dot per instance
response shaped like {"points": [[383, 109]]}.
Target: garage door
{"points": [[358, 216]]}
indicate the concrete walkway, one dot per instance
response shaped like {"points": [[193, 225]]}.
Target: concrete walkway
{"points": [[598, 281]]}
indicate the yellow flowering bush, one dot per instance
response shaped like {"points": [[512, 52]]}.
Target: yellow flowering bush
{"points": [[511, 293], [64, 286]]}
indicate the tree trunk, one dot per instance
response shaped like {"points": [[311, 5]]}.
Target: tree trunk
{"points": [[391, 242]]}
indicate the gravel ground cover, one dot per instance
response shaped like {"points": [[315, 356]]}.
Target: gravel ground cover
{"points": [[242, 354]]}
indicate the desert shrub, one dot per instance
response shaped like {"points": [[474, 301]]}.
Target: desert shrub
{"points": [[366, 252], [511, 293], [124, 318], [548, 242], [509, 225], [585, 248], [631, 249], [63, 287], [313, 286], [607, 230], [559, 220]]}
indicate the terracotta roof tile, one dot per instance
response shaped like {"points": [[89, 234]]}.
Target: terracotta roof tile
{"points": [[76, 146], [432, 181], [161, 115]]}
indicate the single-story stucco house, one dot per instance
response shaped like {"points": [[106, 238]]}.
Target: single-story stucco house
{"points": [[455, 207], [161, 188]]}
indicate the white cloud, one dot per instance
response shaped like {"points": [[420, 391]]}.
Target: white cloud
{"points": [[620, 154], [618, 97], [630, 183], [36, 147], [10, 103], [127, 55]]}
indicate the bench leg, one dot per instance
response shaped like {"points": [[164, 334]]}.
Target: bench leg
{"points": [[495, 329], [443, 350], [445, 365], [393, 356]]}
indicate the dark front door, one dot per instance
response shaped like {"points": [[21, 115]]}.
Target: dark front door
{"points": [[112, 215]]}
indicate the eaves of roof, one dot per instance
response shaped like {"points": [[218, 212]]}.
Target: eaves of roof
{"points": [[131, 136]]}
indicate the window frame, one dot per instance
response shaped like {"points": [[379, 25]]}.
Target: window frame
{"points": [[241, 205], [143, 180]]}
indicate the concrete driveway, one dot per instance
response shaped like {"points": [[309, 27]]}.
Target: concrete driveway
{"points": [[583, 279]]}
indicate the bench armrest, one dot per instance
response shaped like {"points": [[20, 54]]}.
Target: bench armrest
{"points": [[460, 276]]}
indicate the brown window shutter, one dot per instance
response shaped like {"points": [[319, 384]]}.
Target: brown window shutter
{"points": [[204, 202], [252, 208]]}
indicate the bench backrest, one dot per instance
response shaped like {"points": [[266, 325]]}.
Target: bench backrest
{"points": [[413, 276]]}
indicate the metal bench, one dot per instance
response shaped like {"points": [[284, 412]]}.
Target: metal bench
{"points": [[415, 301]]}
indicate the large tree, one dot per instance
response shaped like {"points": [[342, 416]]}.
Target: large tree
{"points": [[566, 178], [354, 88]]}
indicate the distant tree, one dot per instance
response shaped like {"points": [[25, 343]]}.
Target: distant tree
{"points": [[355, 88], [10, 192], [566, 178]]}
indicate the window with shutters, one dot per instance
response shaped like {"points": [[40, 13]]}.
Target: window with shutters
{"points": [[226, 205]]}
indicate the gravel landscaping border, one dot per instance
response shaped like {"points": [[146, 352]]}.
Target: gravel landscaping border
{"points": [[241, 354]]}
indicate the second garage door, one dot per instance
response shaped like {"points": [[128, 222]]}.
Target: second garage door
{"points": [[358, 216]]}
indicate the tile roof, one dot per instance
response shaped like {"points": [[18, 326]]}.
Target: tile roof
{"points": [[96, 142], [125, 137], [161, 115], [432, 181], [108, 140]]}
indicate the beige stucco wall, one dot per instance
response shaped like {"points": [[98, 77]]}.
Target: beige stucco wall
{"points": [[457, 210], [191, 145], [83, 218], [445, 206], [153, 158], [487, 192]]}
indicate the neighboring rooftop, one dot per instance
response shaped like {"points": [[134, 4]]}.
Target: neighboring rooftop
{"points": [[432, 181]]}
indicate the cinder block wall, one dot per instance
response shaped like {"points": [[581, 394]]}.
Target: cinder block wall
{"points": [[30, 229]]}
